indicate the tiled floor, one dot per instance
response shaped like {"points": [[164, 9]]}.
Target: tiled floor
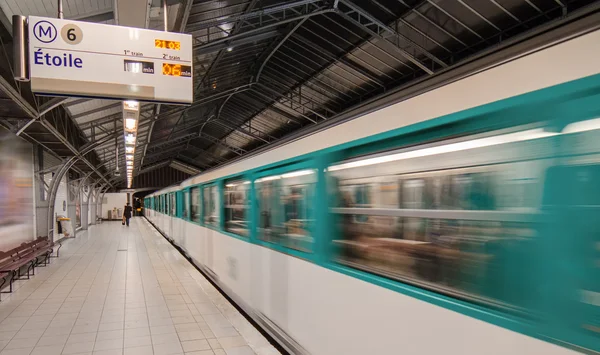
{"points": [[125, 291]]}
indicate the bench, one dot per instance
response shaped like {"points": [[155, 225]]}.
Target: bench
{"points": [[30, 254]]}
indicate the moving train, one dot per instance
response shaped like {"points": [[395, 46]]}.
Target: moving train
{"points": [[463, 220]]}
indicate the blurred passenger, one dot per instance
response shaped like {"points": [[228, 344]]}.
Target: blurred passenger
{"points": [[127, 214], [348, 225]]}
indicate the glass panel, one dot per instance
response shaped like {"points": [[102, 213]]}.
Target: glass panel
{"points": [[237, 204], [463, 258], [173, 205], [211, 212], [195, 191], [285, 216], [186, 204], [465, 230]]}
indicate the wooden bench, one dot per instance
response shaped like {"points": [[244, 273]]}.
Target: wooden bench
{"points": [[30, 255]]}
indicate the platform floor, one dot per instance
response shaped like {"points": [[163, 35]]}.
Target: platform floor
{"points": [[126, 291]]}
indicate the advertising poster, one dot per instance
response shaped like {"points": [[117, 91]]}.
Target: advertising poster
{"points": [[16, 191]]}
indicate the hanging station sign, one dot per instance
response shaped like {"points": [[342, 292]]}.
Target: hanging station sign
{"points": [[83, 59]]}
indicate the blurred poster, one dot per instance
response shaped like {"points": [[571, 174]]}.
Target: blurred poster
{"points": [[16, 191]]}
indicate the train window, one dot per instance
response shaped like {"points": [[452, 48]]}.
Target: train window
{"points": [[286, 218], [173, 204], [237, 204], [186, 203], [454, 224], [211, 211], [195, 205]]}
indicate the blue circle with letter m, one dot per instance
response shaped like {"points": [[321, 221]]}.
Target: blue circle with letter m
{"points": [[44, 31]]}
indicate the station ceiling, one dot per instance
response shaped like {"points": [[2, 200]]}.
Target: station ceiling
{"points": [[263, 71]]}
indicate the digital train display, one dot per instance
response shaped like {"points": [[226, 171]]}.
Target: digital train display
{"points": [[161, 43], [177, 70]]}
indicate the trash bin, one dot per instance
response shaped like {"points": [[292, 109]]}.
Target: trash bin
{"points": [[65, 227]]}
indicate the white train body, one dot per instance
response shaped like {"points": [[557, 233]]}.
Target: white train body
{"points": [[325, 311]]}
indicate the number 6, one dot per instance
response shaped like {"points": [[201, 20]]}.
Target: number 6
{"points": [[177, 70], [70, 35]]}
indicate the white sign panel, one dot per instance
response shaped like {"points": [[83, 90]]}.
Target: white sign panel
{"points": [[85, 59]]}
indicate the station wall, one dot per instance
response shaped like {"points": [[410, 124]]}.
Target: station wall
{"points": [[113, 200]]}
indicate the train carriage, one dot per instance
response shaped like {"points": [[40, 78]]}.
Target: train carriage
{"points": [[468, 226]]}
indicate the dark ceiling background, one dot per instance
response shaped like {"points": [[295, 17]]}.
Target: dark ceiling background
{"points": [[264, 70]]}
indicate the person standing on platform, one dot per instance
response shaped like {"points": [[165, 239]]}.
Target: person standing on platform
{"points": [[127, 214]]}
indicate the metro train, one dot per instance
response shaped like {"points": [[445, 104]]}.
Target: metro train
{"points": [[463, 220]]}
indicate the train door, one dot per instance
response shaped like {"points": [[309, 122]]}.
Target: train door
{"points": [[185, 215], [571, 272], [211, 216], [271, 281], [177, 219], [172, 214]]}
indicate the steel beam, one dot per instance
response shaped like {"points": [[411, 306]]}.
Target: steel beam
{"points": [[262, 14], [76, 102], [216, 96], [505, 10], [276, 45], [402, 21], [184, 168], [437, 6], [365, 21], [234, 29], [44, 108], [236, 43], [97, 16], [414, 10], [110, 118], [222, 143], [96, 110], [292, 101], [178, 140], [165, 151], [201, 160], [244, 34], [468, 7], [322, 52], [14, 95]]}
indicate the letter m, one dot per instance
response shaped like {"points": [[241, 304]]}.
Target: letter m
{"points": [[45, 32]]}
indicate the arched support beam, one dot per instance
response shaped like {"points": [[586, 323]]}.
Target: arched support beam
{"points": [[62, 170]]}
